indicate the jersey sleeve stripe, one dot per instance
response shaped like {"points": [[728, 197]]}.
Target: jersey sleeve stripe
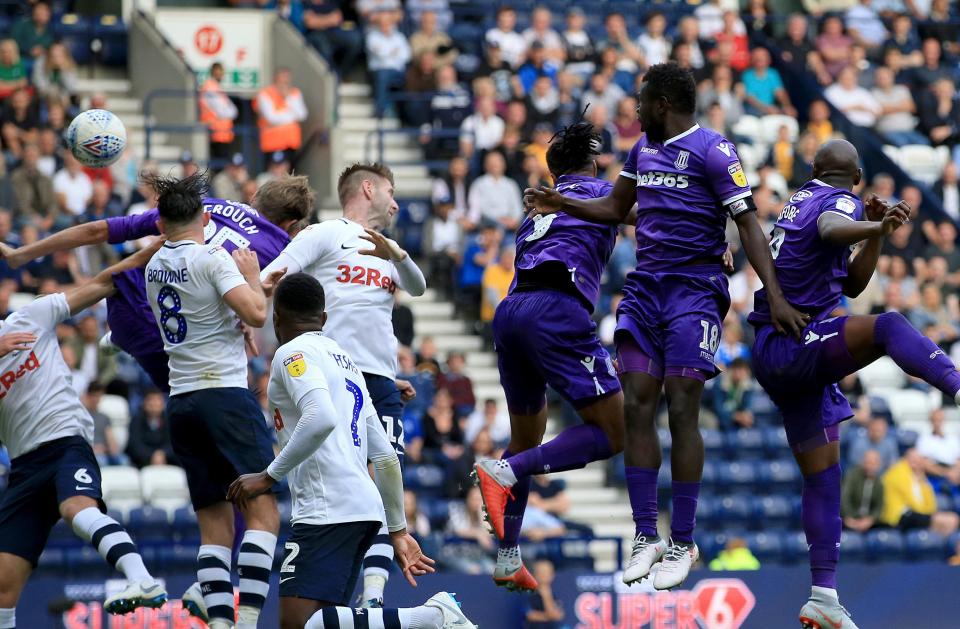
{"points": [[737, 197], [624, 173], [846, 216]]}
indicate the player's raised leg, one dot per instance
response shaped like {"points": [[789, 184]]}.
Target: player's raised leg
{"points": [[441, 611], [14, 572]]}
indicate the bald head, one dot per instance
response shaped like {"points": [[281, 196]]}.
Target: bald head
{"points": [[838, 163]]}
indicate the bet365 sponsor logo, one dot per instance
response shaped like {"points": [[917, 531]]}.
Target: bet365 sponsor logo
{"points": [[711, 604]]}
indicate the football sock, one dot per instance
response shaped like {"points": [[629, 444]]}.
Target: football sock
{"points": [[253, 567], [513, 514], [112, 542], [376, 566], [8, 618], [642, 488], [683, 519], [916, 354], [422, 617], [572, 449], [822, 524], [213, 574]]}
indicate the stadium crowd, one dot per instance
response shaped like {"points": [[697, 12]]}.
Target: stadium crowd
{"points": [[487, 87]]}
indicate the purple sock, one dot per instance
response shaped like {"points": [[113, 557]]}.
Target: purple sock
{"points": [[642, 487], [822, 524], [684, 517], [916, 354], [513, 516], [570, 450]]}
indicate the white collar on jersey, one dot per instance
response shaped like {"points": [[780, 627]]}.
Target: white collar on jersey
{"points": [[822, 183], [682, 135]]}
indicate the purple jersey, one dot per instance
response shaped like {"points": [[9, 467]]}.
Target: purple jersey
{"points": [[686, 187], [583, 248], [810, 271]]}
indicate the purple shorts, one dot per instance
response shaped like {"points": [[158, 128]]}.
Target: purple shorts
{"points": [[801, 375], [548, 338], [133, 327], [674, 319]]}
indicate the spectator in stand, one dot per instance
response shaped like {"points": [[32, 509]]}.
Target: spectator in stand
{"points": [[370, 10], [734, 35], [764, 92], [909, 501], [795, 46], [568, 97], [19, 122], [72, 186], [947, 190], [736, 555], [94, 361], [105, 445], [733, 395], [856, 103], [933, 318], [535, 67], [818, 121], [903, 44], [448, 108], [403, 322], [513, 47], [942, 26], [491, 419], [442, 236], [757, 19], [455, 186], [876, 437], [499, 71], [33, 34], [627, 126], [494, 196], [861, 504], [218, 112], [943, 244], [939, 112], [723, 91], [228, 183], [617, 37], [388, 54], [50, 160], [338, 41], [480, 251], [149, 442], [578, 46], [731, 346], [440, 8], [482, 130], [427, 357], [417, 523], [545, 611], [431, 38], [865, 27], [420, 78], [467, 522], [834, 47], [688, 33], [715, 119], [931, 70], [710, 16], [541, 30], [543, 103], [653, 43], [281, 109], [548, 494], [941, 454], [538, 147], [55, 74], [278, 167], [443, 442], [496, 283], [807, 146], [36, 201], [13, 73], [896, 122], [103, 204], [602, 91], [458, 384]]}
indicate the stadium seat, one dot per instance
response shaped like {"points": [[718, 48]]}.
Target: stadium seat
{"points": [[711, 545], [794, 547], [84, 559], [738, 476], [709, 479], [923, 163], [424, 479], [708, 512], [770, 126], [909, 405], [75, 32], [745, 443], [775, 445], [121, 487], [764, 410], [110, 34], [882, 374], [893, 152], [62, 536], [53, 559], [924, 545], [116, 409], [175, 556], [765, 546], [885, 545], [752, 157], [149, 525], [164, 486], [185, 528], [735, 511], [713, 442], [772, 512], [853, 546], [748, 128], [782, 475]]}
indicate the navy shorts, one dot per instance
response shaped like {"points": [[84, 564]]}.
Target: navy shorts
{"points": [[321, 562], [218, 434], [386, 400], [547, 337], [39, 481]]}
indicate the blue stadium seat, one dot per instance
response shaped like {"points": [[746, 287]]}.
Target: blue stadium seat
{"points": [[425, 479], [149, 525], [775, 443], [112, 35], [885, 545], [83, 558], [711, 544], [738, 476], [75, 32], [794, 547], [773, 512], [746, 443], [766, 546], [713, 443], [185, 528], [924, 545], [735, 510], [853, 546], [52, 559], [666, 438], [763, 408], [708, 512], [945, 502], [779, 476], [177, 556], [709, 481], [436, 510]]}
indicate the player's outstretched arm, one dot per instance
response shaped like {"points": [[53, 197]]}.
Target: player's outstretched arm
{"points": [[613, 208], [83, 296], [410, 276], [786, 319], [92, 233], [248, 301], [863, 263]]}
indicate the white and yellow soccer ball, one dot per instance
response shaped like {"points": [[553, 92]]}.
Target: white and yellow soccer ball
{"points": [[97, 138]]}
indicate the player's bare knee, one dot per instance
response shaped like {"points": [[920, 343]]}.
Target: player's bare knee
{"points": [[70, 507], [261, 514], [607, 415]]}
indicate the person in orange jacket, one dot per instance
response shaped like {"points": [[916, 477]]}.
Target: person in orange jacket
{"points": [[218, 112], [281, 109]]}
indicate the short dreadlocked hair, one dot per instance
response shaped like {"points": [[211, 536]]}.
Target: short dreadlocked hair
{"points": [[676, 84], [573, 148]]}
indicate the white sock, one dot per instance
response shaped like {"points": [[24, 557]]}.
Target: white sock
{"points": [[213, 575], [8, 618], [504, 473], [422, 617], [376, 565], [112, 542], [824, 592], [509, 556], [253, 565], [373, 586]]}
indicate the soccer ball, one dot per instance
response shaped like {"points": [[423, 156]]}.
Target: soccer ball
{"points": [[96, 138]]}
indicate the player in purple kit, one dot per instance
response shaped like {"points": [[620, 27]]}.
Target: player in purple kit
{"points": [[544, 335], [811, 245], [686, 181], [280, 207]]}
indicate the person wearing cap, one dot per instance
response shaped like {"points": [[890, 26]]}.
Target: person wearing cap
{"points": [[218, 112], [277, 168], [228, 183], [280, 110], [188, 165]]}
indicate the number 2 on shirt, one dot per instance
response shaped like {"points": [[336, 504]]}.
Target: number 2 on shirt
{"points": [[357, 406]]}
